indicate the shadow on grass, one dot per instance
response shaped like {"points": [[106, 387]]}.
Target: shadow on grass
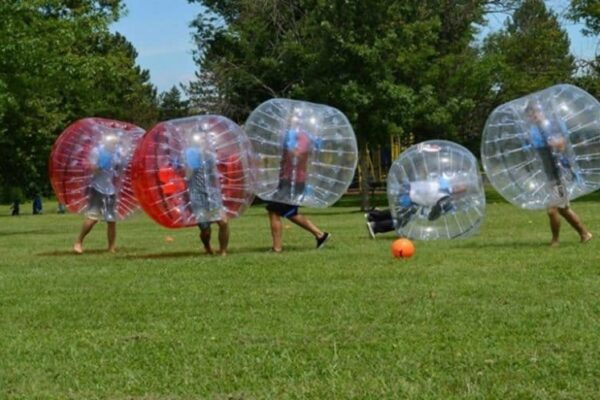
{"points": [[267, 250], [167, 254], [328, 212], [29, 232], [200, 253], [497, 245], [70, 252], [62, 253]]}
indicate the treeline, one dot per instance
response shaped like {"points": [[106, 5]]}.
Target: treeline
{"points": [[392, 66], [59, 62]]}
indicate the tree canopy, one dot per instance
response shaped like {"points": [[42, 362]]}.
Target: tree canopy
{"points": [[58, 63], [530, 53], [391, 66], [171, 105], [587, 11]]}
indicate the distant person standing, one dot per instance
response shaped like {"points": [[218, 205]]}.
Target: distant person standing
{"points": [[16, 208], [37, 205]]}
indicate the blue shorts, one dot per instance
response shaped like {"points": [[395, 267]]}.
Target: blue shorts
{"points": [[281, 209]]}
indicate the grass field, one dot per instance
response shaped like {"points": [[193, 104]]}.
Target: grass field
{"points": [[501, 315]]}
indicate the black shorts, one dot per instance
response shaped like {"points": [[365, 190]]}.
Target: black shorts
{"points": [[284, 210]]}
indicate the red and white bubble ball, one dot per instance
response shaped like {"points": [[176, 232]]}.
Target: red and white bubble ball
{"points": [[94, 155], [194, 170]]}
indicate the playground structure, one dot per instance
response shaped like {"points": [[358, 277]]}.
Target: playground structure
{"points": [[380, 159]]}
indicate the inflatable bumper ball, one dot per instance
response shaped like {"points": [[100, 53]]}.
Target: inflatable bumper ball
{"points": [[435, 191], [193, 171], [306, 153]]}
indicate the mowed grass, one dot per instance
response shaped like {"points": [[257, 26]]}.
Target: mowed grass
{"points": [[500, 315]]}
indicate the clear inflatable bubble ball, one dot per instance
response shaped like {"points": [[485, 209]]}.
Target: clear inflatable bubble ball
{"points": [[543, 150], [435, 191], [306, 153]]}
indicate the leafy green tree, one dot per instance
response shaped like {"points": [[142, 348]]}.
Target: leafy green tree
{"points": [[204, 96], [587, 11], [530, 53], [58, 63], [391, 66], [171, 105]]}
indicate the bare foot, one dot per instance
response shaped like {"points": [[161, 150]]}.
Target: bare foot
{"points": [[78, 248], [222, 253], [586, 237], [554, 243], [208, 251], [112, 250]]}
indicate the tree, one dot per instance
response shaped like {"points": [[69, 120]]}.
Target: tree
{"points": [[171, 105], [59, 63], [391, 66], [588, 12], [204, 95], [530, 53]]}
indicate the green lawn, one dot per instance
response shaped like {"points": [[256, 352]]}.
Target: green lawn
{"points": [[501, 315]]}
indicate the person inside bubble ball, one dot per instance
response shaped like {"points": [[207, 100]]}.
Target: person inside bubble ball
{"points": [[105, 161], [205, 195], [297, 147], [429, 199], [548, 137], [298, 144]]}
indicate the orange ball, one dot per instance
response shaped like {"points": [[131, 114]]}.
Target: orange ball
{"points": [[403, 248]]}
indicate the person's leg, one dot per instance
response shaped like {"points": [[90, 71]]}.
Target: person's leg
{"points": [[383, 226], [87, 226], [284, 190], [405, 214], [109, 214], [298, 190], [554, 225], [307, 224], [379, 215], [276, 231], [573, 219], [440, 207], [111, 234], [370, 229], [205, 233], [223, 236]]}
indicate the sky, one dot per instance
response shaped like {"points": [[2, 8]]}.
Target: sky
{"points": [[159, 30]]}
